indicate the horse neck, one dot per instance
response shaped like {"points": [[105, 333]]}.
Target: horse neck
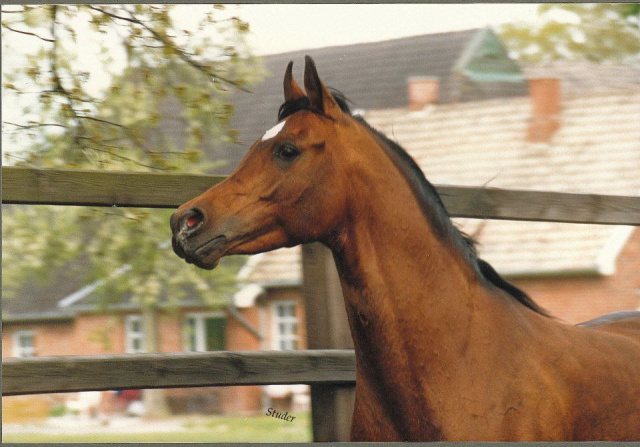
{"points": [[398, 275], [415, 304], [393, 264]]}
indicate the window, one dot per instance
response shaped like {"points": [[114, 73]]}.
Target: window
{"points": [[24, 344], [285, 325], [204, 332], [134, 334]]}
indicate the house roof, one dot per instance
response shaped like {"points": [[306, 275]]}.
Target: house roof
{"points": [[65, 294], [38, 299], [374, 77], [354, 69], [596, 150], [581, 78], [277, 268]]}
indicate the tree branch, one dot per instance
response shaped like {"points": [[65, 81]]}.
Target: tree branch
{"points": [[114, 155], [32, 126], [114, 16], [27, 33], [57, 80], [99, 120], [179, 52]]}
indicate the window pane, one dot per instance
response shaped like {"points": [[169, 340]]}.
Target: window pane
{"points": [[24, 344], [190, 334], [215, 328], [26, 341], [290, 310], [134, 334], [285, 326]]}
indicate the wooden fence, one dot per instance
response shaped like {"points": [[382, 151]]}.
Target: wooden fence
{"points": [[332, 368], [127, 189], [137, 371]]}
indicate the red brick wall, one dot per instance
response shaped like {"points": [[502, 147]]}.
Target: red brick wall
{"points": [[54, 338], [578, 299], [170, 332], [98, 334], [242, 399], [238, 337], [91, 334]]}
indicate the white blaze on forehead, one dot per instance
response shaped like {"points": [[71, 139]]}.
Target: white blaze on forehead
{"points": [[275, 130]]}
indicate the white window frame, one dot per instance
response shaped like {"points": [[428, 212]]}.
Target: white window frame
{"points": [[200, 338], [131, 336], [276, 337], [18, 349]]}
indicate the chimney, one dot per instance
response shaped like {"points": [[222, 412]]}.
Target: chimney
{"points": [[545, 109], [422, 91]]}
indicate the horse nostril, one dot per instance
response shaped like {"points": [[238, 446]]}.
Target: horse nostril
{"points": [[173, 223], [191, 219]]}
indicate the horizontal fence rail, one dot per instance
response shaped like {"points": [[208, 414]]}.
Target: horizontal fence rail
{"points": [[101, 188], [137, 371], [128, 189]]}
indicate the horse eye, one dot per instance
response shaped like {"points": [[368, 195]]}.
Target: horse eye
{"points": [[287, 152]]}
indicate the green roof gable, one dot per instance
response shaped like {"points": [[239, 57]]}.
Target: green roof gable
{"points": [[485, 59]]}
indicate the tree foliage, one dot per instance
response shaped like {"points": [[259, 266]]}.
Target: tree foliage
{"points": [[188, 72], [197, 68], [578, 31]]}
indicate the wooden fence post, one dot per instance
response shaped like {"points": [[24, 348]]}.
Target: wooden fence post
{"points": [[327, 328]]}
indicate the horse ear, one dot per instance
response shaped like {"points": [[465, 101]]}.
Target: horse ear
{"points": [[318, 93], [291, 88]]}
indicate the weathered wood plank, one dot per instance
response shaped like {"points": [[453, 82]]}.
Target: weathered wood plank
{"points": [[101, 188], [327, 328], [493, 203], [127, 189], [138, 371]]}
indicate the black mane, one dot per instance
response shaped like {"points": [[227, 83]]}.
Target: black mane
{"points": [[430, 202]]}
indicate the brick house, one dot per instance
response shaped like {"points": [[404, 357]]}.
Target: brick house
{"points": [[573, 132], [70, 327], [262, 315]]}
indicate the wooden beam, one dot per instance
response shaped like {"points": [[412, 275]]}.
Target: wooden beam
{"points": [[513, 204], [128, 189], [101, 188], [140, 371], [327, 328]]}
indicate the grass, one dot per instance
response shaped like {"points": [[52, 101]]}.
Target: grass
{"points": [[259, 428]]}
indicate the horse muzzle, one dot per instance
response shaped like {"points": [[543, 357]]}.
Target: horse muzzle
{"points": [[193, 243]]}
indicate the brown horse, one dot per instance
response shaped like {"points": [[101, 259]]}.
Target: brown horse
{"points": [[445, 348]]}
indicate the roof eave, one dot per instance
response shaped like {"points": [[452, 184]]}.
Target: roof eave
{"points": [[43, 317], [278, 283]]}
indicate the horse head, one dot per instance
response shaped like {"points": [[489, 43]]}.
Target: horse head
{"points": [[287, 190]]}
